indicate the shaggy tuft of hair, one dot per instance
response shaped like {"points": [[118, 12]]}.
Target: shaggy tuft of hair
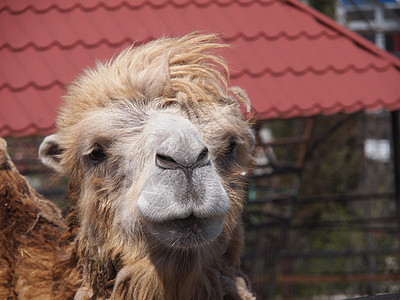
{"points": [[158, 72]]}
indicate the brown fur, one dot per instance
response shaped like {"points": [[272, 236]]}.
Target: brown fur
{"points": [[113, 105], [30, 227]]}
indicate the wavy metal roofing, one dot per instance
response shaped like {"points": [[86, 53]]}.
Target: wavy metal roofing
{"points": [[292, 60]]}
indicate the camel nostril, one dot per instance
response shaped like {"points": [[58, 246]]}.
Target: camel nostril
{"points": [[203, 155], [203, 158], [166, 158], [166, 162]]}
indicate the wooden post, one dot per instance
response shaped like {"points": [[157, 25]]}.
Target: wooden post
{"points": [[304, 145], [396, 169]]}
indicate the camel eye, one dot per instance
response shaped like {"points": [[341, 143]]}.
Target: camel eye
{"points": [[232, 147], [98, 154]]}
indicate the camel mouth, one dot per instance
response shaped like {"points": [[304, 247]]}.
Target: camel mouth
{"points": [[188, 232], [191, 225]]}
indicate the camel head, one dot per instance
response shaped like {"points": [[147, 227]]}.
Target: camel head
{"points": [[156, 151]]}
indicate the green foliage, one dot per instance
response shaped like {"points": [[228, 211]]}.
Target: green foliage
{"points": [[325, 6], [323, 232]]}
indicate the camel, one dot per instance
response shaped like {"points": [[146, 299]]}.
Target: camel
{"points": [[30, 227], [157, 154]]}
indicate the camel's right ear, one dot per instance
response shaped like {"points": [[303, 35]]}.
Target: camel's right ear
{"points": [[50, 153]]}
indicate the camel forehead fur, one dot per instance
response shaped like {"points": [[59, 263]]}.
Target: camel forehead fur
{"points": [[157, 72]]}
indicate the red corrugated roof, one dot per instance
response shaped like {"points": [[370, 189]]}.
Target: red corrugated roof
{"points": [[292, 60]]}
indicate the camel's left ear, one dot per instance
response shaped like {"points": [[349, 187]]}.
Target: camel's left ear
{"points": [[50, 153], [241, 98]]}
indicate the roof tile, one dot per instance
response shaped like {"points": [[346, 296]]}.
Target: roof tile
{"points": [[29, 112], [292, 96], [292, 60]]}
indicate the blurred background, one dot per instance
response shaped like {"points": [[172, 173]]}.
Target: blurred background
{"points": [[323, 217]]}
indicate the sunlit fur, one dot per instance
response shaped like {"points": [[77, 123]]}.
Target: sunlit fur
{"points": [[116, 105]]}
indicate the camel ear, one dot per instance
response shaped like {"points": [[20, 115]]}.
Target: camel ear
{"points": [[241, 98], [50, 153]]}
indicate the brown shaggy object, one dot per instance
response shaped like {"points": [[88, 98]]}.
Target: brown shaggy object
{"points": [[30, 227], [156, 151]]}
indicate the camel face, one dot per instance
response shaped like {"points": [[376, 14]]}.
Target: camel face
{"points": [[167, 169]]}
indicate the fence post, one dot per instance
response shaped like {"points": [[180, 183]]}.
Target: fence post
{"points": [[396, 168]]}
